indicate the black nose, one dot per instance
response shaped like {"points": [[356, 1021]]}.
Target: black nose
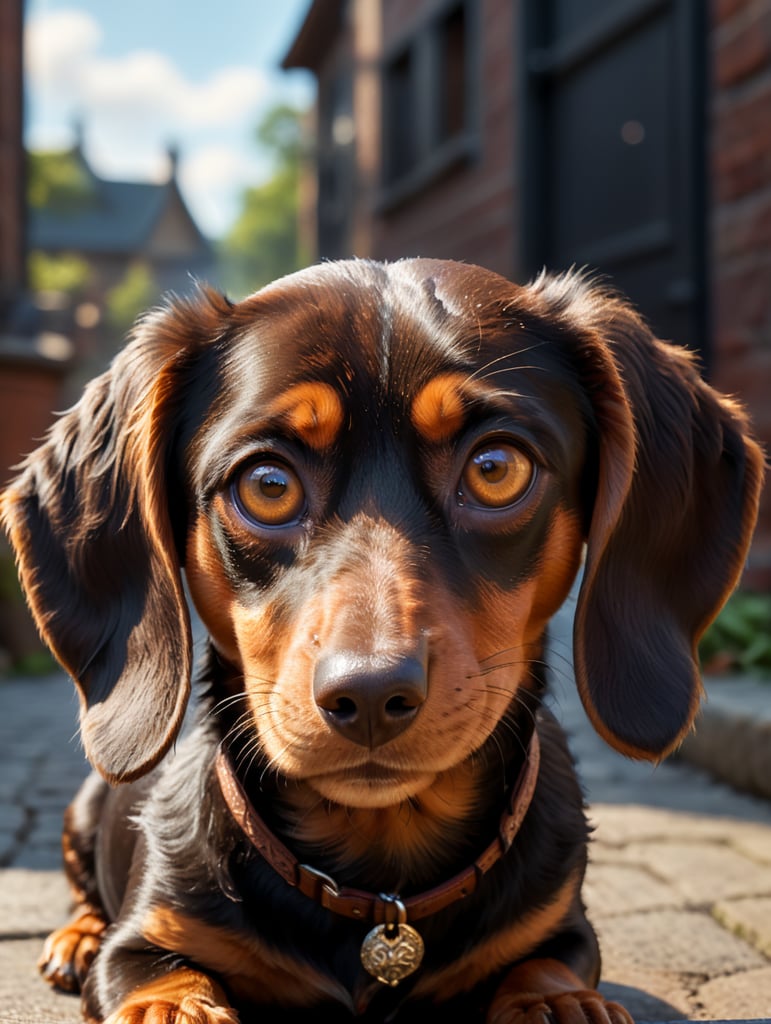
{"points": [[369, 699]]}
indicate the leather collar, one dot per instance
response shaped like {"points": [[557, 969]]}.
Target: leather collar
{"points": [[370, 906]]}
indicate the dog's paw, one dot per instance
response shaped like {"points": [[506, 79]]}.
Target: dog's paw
{"points": [[184, 996], [69, 951], [579, 1007], [189, 1010]]}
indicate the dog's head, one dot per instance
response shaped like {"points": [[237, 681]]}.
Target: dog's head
{"points": [[380, 481]]}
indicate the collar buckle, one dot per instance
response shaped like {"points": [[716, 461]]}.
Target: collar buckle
{"points": [[320, 882]]}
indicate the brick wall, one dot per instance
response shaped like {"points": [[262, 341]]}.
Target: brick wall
{"points": [[12, 275], [470, 210], [740, 155]]}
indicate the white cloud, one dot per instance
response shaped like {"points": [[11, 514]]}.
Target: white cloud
{"points": [[147, 84], [135, 105], [213, 165], [55, 46], [213, 178], [62, 53]]}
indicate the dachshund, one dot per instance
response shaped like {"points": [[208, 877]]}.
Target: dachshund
{"points": [[369, 486]]}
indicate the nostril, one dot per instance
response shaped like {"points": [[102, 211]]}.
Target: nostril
{"points": [[370, 699], [400, 705], [343, 708]]}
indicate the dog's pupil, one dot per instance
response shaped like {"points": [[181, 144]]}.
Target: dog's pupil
{"points": [[493, 469], [273, 485]]}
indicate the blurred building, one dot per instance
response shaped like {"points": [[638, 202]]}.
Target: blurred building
{"points": [[32, 362], [127, 242], [633, 137], [117, 223]]}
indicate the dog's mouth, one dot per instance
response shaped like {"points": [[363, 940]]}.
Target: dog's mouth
{"points": [[371, 784]]}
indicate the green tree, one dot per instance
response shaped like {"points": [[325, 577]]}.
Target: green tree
{"points": [[59, 181], [65, 273], [131, 296], [263, 243]]}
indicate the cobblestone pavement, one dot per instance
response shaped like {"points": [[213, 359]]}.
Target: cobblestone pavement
{"points": [[678, 887], [41, 766], [679, 884]]}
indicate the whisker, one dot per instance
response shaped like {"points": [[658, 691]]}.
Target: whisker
{"points": [[224, 704], [481, 370], [508, 369]]}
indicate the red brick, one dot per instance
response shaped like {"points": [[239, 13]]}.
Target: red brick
{"points": [[745, 377], [731, 344], [741, 142], [742, 368], [743, 227], [743, 296], [723, 10], [746, 51]]}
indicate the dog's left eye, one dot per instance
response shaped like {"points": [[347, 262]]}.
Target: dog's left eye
{"points": [[270, 493], [496, 475]]}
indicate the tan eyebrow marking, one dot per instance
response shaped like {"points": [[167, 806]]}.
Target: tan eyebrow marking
{"points": [[439, 410], [313, 410]]}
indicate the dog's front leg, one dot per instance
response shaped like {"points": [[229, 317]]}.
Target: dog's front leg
{"points": [[183, 996], [548, 992]]}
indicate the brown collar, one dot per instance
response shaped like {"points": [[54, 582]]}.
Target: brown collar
{"points": [[370, 906]]}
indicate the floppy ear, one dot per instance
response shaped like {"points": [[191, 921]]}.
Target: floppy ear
{"points": [[89, 521], [678, 484]]}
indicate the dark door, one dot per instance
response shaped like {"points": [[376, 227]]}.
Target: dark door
{"points": [[613, 154]]}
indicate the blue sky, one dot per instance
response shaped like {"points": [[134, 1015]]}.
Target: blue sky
{"points": [[146, 74]]}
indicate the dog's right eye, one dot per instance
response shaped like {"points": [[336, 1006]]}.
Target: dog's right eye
{"points": [[497, 475], [270, 493]]}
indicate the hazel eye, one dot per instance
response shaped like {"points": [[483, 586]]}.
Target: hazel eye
{"points": [[270, 493], [496, 475]]}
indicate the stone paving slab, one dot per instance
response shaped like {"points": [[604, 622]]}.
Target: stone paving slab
{"points": [[621, 888], [748, 918], [737, 996], [24, 998], [32, 903], [732, 739], [672, 940], [682, 907], [648, 995], [754, 843], [744, 745], [622, 823], [702, 872]]}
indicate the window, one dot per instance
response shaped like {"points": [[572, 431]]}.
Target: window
{"points": [[400, 151], [452, 74], [335, 158], [428, 102]]}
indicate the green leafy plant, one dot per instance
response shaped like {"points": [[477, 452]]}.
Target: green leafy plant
{"points": [[26, 653], [63, 273], [739, 640], [265, 242], [134, 293], [58, 180]]}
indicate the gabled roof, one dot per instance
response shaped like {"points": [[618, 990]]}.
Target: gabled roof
{"points": [[315, 35], [117, 217]]}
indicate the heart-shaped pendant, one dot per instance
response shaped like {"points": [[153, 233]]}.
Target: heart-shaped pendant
{"points": [[392, 953]]}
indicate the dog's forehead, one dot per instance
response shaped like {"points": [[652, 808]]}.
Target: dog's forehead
{"points": [[366, 348], [384, 329]]}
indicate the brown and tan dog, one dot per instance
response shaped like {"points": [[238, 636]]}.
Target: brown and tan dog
{"points": [[378, 483]]}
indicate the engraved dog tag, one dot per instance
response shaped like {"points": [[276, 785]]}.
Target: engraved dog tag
{"points": [[391, 954]]}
